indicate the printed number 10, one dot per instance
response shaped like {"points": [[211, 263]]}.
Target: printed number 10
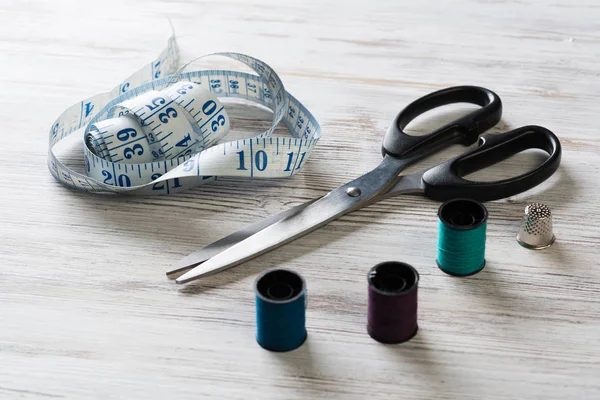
{"points": [[260, 160]]}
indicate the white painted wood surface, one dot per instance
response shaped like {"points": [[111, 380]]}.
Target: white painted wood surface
{"points": [[85, 308]]}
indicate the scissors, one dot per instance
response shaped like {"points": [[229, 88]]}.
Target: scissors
{"points": [[442, 182]]}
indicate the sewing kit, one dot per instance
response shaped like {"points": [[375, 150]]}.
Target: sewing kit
{"points": [[161, 130]]}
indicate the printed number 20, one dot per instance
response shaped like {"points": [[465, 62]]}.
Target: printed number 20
{"points": [[122, 180]]}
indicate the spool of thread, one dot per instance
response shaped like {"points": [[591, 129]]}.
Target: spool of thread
{"points": [[280, 310], [392, 311], [461, 237]]}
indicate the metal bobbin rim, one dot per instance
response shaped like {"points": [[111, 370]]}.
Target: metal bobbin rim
{"points": [[481, 220], [264, 298]]}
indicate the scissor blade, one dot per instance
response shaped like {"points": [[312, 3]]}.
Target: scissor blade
{"points": [[407, 184], [200, 256], [333, 205]]}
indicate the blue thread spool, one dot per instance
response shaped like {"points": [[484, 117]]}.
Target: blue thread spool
{"points": [[280, 310], [461, 239]]}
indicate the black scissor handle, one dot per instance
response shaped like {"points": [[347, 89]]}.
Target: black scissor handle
{"points": [[464, 130], [445, 181]]}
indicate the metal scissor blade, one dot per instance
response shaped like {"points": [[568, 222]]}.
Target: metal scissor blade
{"points": [[343, 200], [200, 256], [407, 184]]}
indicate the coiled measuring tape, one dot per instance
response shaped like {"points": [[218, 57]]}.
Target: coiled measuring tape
{"points": [[158, 132]]}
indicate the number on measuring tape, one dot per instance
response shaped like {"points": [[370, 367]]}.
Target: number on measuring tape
{"points": [[130, 151], [124, 134], [291, 157], [242, 163], [209, 107], [108, 177], [124, 180], [184, 88], [155, 128], [261, 160], [184, 142], [156, 102], [219, 122], [169, 113]]}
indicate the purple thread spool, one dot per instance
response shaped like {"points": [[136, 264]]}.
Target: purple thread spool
{"points": [[392, 315]]}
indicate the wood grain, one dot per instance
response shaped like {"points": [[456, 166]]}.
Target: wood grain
{"points": [[85, 308]]}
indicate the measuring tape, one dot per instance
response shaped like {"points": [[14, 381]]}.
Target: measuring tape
{"points": [[159, 131]]}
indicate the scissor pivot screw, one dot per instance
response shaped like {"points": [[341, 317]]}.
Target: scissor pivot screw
{"points": [[353, 191]]}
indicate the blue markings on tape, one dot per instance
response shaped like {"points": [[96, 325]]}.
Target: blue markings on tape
{"points": [[264, 156]]}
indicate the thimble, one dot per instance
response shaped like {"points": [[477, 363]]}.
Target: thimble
{"points": [[536, 227]]}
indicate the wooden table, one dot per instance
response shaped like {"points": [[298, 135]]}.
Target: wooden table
{"points": [[85, 308]]}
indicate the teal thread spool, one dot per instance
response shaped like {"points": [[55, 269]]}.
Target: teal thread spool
{"points": [[461, 237], [280, 310]]}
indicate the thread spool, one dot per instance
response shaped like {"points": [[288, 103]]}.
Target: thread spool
{"points": [[461, 237], [280, 310], [392, 310]]}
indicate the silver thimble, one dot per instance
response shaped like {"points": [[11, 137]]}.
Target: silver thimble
{"points": [[536, 227]]}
